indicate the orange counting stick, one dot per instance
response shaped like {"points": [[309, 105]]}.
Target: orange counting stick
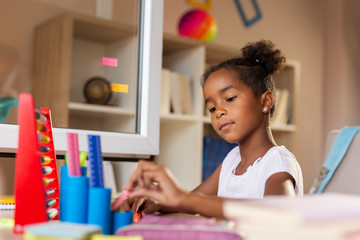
{"points": [[137, 217]]}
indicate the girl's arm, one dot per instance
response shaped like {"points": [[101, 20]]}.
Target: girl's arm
{"points": [[210, 185], [281, 183], [205, 205]]}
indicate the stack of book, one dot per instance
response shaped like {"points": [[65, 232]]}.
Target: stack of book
{"points": [[282, 107], [325, 216], [7, 203], [176, 96], [7, 207]]}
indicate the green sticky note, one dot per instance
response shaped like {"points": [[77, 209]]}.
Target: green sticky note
{"points": [[82, 157]]}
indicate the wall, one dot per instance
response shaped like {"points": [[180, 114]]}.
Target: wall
{"points": [[342, 73], [297, 27]]}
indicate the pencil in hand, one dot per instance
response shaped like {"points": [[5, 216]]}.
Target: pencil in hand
{"points": [[123, 196]]}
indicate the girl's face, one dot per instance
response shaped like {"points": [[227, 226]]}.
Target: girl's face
{"points": [[236, 113]]}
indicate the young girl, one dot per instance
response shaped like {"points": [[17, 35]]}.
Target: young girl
{"points": [[240, 95]]}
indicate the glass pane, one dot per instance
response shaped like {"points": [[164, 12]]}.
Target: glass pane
{"points": [[79, 58]]}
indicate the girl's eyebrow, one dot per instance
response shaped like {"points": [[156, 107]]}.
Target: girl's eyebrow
{"points": [[221, 91]]}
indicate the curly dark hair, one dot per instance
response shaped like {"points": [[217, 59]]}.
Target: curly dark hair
{"points": [[255, 67]]}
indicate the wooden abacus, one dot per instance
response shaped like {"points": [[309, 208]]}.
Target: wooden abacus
{"points": [[36, 180]]}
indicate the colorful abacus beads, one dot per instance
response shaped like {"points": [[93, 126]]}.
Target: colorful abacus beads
{"points": [[48, 157]]}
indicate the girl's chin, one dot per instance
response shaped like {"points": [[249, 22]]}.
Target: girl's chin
{"points": [[230, 140]]}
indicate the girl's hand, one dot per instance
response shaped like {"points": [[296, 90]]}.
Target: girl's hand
{"points": [[156, 182], [144, 205]]}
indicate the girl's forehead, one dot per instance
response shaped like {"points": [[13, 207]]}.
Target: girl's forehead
{"points": [[220, 79]]}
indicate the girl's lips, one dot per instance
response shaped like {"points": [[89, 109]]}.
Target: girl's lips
{"points": [[225, 126]]}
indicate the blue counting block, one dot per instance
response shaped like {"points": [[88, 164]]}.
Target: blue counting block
{"points": [[121, 219], [63, 190], [99, 209]]}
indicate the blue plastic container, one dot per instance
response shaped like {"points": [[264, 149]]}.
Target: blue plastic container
{"points": [[99, 209], [121, 219]]}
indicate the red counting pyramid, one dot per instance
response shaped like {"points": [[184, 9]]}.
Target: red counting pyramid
{"points": [[36, 180]]}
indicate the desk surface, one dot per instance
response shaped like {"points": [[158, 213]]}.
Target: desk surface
{"points": [[9, 235], [6, 232]]}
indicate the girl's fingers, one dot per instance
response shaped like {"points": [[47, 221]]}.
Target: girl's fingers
{"points": [[126, 205], [148, 193], [155, 182], [137, 179], [135, 204], [139, 203]]}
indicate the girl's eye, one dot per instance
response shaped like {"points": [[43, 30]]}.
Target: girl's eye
{"points": [[230, 99], [211, 110]]}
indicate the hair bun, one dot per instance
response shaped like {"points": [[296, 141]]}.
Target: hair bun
{"points": [[266, 55]]}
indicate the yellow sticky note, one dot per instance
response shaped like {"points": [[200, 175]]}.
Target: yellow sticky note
{"points": [[117, 87]]}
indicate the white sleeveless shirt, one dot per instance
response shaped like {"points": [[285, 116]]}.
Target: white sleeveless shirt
{"points": [[251, 184]]}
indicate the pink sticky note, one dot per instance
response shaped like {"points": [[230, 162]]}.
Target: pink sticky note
{"points": [[111, 62]]}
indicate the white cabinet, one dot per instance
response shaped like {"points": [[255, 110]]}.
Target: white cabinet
{"points": [[181, 136]]}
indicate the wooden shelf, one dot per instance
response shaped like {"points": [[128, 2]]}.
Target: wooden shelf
{"points": [[178, 117], [100, 109], [284, 128]]}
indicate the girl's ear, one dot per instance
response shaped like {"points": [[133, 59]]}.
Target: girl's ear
{"points": [[267, 101]]}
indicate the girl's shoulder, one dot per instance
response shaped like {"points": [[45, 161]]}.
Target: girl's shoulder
{"points": [[278, 156], [280, 152]]}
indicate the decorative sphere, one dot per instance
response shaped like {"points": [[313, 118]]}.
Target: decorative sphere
{"points": [[198, 24]]}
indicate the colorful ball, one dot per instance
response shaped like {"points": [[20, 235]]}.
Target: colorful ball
{"points": [[198, 24]]}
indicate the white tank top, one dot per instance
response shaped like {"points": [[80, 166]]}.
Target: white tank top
{"points": [[251, 184]]}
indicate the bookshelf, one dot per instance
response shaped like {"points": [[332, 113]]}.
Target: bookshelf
{"points": [[181, 136], [77, 44]]}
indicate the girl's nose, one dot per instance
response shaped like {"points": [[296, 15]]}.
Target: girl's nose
{"points": [[220, 112]]}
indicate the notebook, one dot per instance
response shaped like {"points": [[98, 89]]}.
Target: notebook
{"points": [[7, 203], [179, 227]]}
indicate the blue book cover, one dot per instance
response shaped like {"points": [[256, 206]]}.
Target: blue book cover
{"points": [[214, 151]]}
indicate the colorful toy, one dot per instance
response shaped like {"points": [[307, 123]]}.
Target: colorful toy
{"points": [[198, 24], [36, 190]]}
